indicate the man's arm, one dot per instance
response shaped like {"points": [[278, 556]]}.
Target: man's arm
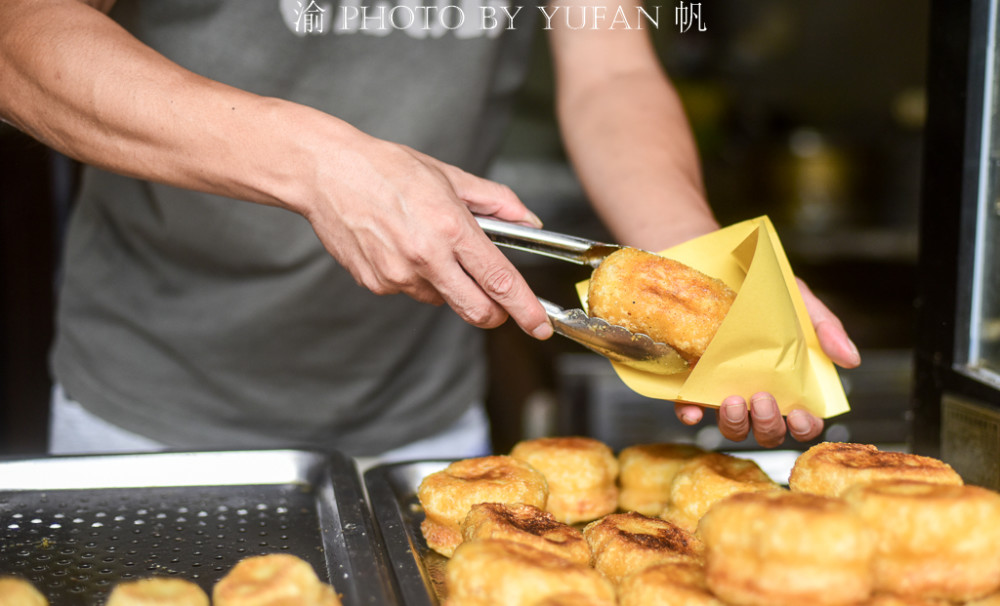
{"points": [[398, 220], [629, 140]]}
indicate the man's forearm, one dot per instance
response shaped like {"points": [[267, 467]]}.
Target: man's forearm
{"points": [[632, 148], [627, 134], [75, 80]]}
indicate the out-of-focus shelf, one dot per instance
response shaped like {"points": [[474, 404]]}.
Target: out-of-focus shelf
{"points": [[852, 244]]}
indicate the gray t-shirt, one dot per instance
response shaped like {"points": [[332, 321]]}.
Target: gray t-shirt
{"points": [[206, 322]]}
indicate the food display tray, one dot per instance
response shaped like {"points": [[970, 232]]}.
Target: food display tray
{"points": [[392, 491], [74, 526]]}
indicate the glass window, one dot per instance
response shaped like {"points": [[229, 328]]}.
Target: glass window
{"points": [[984, 352]]}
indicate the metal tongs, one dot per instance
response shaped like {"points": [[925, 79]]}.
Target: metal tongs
{"points": [[611, 341]]}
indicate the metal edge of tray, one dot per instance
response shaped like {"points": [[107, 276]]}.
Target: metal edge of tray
{"points": [[391, 488], [354, 556]]}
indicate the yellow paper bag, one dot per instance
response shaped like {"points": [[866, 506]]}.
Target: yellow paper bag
{"points": [[766, 343]]}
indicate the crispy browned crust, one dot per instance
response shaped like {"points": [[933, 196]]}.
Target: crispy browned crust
{"points": [[786, 549], [934, 540], [830, 468], [526, 524], [581, 473], [665, 299], [448, 495], [15, 591], [276, 579], [705, 480], [646, 473], [624, 543], [671, 584], [496, 572]]}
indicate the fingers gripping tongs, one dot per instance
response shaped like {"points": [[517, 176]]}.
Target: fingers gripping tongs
{"points": [[613, 342]]}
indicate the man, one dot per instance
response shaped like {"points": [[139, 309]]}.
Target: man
{"points": [[188, 319]]}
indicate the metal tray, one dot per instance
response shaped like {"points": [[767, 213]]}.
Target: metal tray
{"points": [[392, 491], [74, 526]]}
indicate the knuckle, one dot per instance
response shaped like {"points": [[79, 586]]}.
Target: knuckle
{"points": [[736, 434], [499, 282], [449, 226], [484, 316]]}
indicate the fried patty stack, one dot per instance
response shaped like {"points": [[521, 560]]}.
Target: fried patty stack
{"points": [[581, 474], [705, 480], [787, 549], [671, 584], [526, 524], [859, 527], [830, 468], [647, 472], [625, 543], [497, 572], [934, 540], [447, 495]]}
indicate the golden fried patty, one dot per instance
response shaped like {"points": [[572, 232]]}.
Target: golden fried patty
{"points": [[496, 572], [15, 591], [274, 579], [706, 479], [526, 524], [787, 549], [830, 468], [934, 540], [646, 473], [157, 591], [624, 543], [581, 473], [447, 495], [671, 584], [665, 299]]}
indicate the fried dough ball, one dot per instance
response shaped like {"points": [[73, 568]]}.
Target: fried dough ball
{"points": [[647, 471], [665, 299], [526, 524], [157, 591], [706, 479], [15, 591], [934, 540], [496, 572], [787, 549], [624, 543], [447, 495], [672, 584], [581, 474], [830, 468], [274, 579]]}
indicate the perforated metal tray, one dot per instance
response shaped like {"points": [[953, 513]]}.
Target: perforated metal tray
{"points": [[75, 526], [392, 491]]}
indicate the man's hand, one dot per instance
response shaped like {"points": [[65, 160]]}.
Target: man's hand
{"points": [[736, 419], [402, 222]]}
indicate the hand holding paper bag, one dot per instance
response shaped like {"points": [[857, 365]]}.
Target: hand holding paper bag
{"points": [[767, 341]]}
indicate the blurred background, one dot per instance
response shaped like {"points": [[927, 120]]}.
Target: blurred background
{"points": [[808, 112]]}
